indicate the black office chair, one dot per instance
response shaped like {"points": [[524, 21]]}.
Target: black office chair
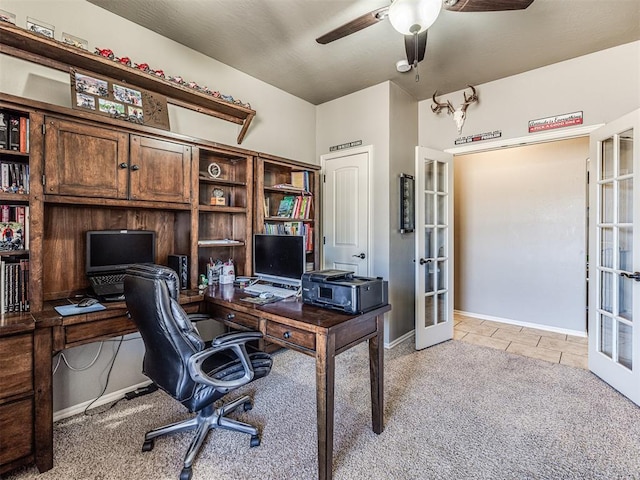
{"points": [[177, 361]]}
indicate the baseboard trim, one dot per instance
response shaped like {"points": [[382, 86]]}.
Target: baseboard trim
{"points": [[108, 398], [547, 328], [399, 340]]}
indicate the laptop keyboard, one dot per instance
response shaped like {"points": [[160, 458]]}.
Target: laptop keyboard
{"points": [[279, 292], [107, 284]]}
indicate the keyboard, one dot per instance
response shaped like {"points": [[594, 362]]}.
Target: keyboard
{"points": [[108, 284], [279, 292]]}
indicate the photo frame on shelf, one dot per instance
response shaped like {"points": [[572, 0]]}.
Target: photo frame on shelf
{"points": [[407, 203], [108, 97], [42, 28]]}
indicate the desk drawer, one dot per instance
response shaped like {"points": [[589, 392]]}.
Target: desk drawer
{"points": [[16, 358], [283, 333], [97, 330], [229, 317], [16, 430]]}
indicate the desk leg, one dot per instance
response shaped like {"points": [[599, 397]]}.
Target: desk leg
{"points": [[43, 399], [376, 374], [325, 381]]}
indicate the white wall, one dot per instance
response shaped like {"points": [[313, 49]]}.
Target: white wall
{"points": [[604, 85], [284, 125], [520, 242]]}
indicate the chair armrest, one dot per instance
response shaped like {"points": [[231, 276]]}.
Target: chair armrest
{"points": [[232, 341], [235, 337], [198, 317]]}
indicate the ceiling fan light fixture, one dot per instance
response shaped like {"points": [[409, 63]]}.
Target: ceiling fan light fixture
{"points": [[411, 17], [403, 66]]}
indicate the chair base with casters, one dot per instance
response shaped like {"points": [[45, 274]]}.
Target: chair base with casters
{"points": [[207, 419], [179, 362]]}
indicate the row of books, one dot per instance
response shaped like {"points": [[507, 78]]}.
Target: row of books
{"points": [[295, 206], [14, 285], [14, 132], [292, 228], [14, 177]]}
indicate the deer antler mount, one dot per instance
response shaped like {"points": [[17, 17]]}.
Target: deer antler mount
{"points": [[459, 114]]}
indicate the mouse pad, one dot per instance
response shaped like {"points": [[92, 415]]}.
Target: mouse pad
{"points": [[66, 310]]}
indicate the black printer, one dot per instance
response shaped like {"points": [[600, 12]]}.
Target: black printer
{"points": [[341, 290]]}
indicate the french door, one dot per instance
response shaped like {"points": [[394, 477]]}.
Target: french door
{"points": [[434, 247], [614, 257]]}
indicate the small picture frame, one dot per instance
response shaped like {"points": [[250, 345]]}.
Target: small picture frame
{"points": [[7, 17], [407, 203], [75, 41], [40, 27]]}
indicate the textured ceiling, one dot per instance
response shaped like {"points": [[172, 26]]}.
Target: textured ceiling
{"points": [[274, 40]]}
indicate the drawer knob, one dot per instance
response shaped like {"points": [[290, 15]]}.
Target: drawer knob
{"points": [[231, 316], [286, 335]]}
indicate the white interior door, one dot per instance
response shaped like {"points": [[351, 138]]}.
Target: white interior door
{"points": [[345, 211], [614, 257], [434, 247]]}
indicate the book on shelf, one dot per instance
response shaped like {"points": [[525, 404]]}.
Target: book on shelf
{"points": [[4, 131], [14, 285], [300, 179], [291, 228], [14, 177], [285, 209], [14, 132]]}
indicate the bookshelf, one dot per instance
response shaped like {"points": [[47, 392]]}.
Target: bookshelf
{"points": [[225, 195], [286, 202], [14, 211]]}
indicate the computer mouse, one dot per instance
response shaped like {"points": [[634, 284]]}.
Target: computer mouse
{"points": [[87, 302], [266, 295]]}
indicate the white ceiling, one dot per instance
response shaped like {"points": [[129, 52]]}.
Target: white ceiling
{"points": [[274, 40]]}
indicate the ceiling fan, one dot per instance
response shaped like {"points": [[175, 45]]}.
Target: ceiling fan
{"points": [[412, 18]]}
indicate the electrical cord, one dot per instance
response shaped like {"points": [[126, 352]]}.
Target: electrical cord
{"points": [[113, 361]]}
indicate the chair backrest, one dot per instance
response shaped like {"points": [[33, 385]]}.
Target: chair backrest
{"points": [[169, 337]]}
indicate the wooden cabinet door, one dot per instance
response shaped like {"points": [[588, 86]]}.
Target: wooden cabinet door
{"points": [[85, 161], [160, 170]]}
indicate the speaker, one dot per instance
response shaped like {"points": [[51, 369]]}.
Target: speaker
{"points": [[180, 263]]}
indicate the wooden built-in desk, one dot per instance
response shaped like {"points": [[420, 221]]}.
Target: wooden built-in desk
{"points": [[316, 332]]}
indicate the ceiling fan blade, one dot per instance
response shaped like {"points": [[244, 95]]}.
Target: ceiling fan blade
{"points": [[485, 5], [410, 47], [354, 26]]}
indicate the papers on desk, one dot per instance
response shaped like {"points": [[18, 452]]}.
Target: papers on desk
{"points": [[67, 310]]}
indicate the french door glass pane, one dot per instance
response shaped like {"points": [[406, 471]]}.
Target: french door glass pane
{"points": [[626, 252], [626, 152], [442, 209], [606, 336], [429, 277], [442, 281], [625, 298], [428, 242], [607, 203], [624, 345], [429, 314], [441, 243], [429, 213], [441, 174], [625, 201], [428, 176], [607, 158], [442, 307], [606, 279], [606, 248]]}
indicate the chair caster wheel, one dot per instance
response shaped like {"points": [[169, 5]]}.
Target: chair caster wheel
{"points": [[255, 441], [185, 474], [148, 445], [247, 406]]}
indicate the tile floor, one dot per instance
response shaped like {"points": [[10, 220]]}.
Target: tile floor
{"points": [[530, 342]]}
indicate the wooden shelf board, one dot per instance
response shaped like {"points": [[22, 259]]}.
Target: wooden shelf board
{"points": [[221, 209], [220, 181]]}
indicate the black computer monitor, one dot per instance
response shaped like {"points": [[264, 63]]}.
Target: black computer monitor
{"points": [[113, 250], [279, 258]]}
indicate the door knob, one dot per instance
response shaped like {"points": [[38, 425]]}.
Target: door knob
{"points": [[135, 167], [635, 276], [362, 255], [123, 165], [423, 261]]}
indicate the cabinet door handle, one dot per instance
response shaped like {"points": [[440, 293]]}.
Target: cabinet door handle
{"points": [[286, 335], [231, 316], [135, 167], [123, 165]]}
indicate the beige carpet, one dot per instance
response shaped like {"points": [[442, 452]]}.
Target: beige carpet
{"points": [[454, 411]]}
